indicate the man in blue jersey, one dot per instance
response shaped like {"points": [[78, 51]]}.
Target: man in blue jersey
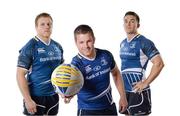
{"points": [[135, 52], [95, 97], [36, 61]]}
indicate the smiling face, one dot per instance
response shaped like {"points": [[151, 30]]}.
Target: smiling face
{"points": [[85, 44]]}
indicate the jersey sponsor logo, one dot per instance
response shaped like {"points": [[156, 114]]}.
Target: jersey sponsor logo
{"points": [[41, 50], [50, 59], [128, 53], [98, 74], [97, 68], [50, 53]]}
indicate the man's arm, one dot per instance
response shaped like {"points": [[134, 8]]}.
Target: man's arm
{"points": [[156, 68], [120, 87], [23, 86]]}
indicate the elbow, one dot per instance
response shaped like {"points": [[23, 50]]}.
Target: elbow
{"points": [[161, 65]]}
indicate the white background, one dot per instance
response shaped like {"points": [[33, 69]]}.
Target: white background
{"points": [[159, 22]]}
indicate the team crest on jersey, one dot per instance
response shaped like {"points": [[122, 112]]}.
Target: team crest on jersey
{"points": [[88, 68], [41, 50], [56, 49], [103, 61], [132, 45]]}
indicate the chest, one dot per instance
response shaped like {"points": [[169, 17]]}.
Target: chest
{"points": [[130, 50], [45, 53], [97, 68]]}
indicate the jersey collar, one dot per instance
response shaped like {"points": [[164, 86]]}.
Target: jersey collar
{"points": [[90, 59], [36, 37], [136, 36]]}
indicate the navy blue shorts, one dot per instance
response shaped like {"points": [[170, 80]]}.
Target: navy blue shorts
{"points": [[111, 111], [46, 105], [138, 103]]}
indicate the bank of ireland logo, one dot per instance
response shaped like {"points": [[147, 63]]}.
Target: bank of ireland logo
{"points": [[97, 68], [50, 53]]}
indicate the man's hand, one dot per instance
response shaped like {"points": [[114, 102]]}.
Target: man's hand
{"points": [[67, 99], [31, 106]]}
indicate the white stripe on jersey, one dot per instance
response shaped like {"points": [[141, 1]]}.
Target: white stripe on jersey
{"points": [[101, 94]]}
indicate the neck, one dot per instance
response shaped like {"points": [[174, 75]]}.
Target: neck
{"points": [[90, 57], [130, 36], [93, 55], [45, 39]]}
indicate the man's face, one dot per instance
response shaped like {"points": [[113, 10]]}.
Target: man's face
{"points": [[85, 44], [130, 24], [44, 27]]}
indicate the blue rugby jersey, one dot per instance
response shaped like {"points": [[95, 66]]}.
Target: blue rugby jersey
{"points": [[134, 56], [96, 91], [41, 59]]}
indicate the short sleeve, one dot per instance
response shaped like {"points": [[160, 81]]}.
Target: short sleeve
{"points": [[26, 56], [76, 61], [149, 48], [112, 65]]}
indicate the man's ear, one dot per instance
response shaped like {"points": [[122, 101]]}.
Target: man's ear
{"points": [[138, 25]]}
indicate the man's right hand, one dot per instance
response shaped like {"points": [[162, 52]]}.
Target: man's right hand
{"points": [[31, 106], [67, 99]]}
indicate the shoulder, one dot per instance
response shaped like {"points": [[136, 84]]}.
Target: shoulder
{"points": [[148, 47], [103, 51], [123, 42], [142, 39], [29, 45], [76, 59], [57, 44], [31, 42]]}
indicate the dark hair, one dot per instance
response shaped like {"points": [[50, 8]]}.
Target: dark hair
{"points": [[42, 15], [83, 29], [134, 14]]}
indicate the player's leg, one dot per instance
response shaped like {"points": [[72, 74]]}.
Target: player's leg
{"points": [[52, 104], [112, 110], [108, 111], [139, 103], [40, 106]]}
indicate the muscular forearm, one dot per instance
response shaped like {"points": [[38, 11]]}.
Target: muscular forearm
{"points": [[118, 82], [120, 86], [155, 70], [22, 83]]}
